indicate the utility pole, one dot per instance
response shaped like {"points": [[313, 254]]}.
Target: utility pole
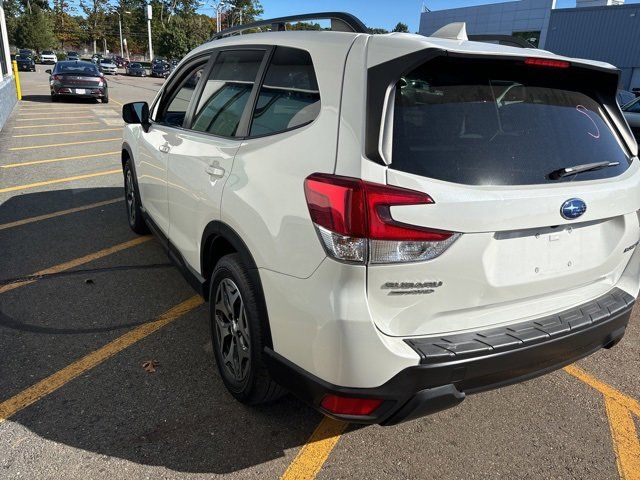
{"points": [[120, 30], [149, 32]]}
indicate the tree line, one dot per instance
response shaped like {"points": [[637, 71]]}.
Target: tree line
{"points": [[177, 27]]}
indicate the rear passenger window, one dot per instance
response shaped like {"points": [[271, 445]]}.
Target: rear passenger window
{"points": [[226, 92], [289, 96]]}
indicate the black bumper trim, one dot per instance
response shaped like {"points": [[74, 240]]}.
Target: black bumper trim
{"points": [[477, 344], [436, 385]]}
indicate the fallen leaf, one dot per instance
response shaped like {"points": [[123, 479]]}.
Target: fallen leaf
{"points": [[150, 366]]}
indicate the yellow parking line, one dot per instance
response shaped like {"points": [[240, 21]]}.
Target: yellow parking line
{"points": [[53, 382], [77, 262], [65, 144], [59, 180], [59, 213], [68, 132], [56, 125], [49, 118], [60, 159], [620, 408], [52, 110], [315, 452], [630, 403], [116, 101], [625, 439]]}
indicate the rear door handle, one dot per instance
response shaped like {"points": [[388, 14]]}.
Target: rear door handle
{"points": [[215, 170], [164, 148]]}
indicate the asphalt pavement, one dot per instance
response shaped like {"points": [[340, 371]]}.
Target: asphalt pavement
{"points": [[106, 369]]}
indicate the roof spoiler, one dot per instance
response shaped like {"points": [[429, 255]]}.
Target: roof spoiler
{"points": [[340, 22], [458, 31]]}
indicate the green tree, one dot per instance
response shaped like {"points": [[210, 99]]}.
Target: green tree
{"points": [[375, 31], [65, 27], [401, 27], [34, 30], [95, 12], [241, 12], [181, 34]]}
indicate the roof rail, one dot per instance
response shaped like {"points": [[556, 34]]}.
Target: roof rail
{"points": [[340, 21], [508, 40]]}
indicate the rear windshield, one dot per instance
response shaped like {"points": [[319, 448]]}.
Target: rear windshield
{"points": [[83, 69], [487, 123]]}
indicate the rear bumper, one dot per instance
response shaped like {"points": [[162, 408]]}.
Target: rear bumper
{"points": [[90, 92], [454, 366]]}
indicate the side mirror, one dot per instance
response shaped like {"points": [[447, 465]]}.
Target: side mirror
{"points": [[48, 71], [137, 113]]}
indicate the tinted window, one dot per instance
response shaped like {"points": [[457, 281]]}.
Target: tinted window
{"points": [[492, 123], [226, 92], [289, 96], [47, 52], [177, 107]]}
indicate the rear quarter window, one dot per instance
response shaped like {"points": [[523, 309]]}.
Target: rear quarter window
{"points": [[490, 123]]}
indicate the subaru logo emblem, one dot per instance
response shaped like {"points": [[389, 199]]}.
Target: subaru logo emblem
{"points": [[573, 208]]}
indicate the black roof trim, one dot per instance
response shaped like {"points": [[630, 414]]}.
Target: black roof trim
{"points": [[278, 24]]}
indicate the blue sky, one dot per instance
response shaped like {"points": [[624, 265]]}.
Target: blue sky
{"points": [[377, 13]]}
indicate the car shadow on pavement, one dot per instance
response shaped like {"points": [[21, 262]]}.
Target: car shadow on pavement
{"points": [[62, 99], [180, 417]]}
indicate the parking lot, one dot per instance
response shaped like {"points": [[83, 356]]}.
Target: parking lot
{"points": [[88, 311]]}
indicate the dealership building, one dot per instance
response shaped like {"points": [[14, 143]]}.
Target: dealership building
{"points": [[606, 30]]}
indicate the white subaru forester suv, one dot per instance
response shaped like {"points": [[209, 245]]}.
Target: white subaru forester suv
{"points": [[383, 224]]}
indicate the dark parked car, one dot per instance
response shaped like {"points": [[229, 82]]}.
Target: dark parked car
{"points": [[73, 56], [136, 70], [27, 52], [161, 69], [77, 79], [25, 63], [120, 62], [631, 112]]}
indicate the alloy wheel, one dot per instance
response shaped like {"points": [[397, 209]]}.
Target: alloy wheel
{"points": [[131, 198], [232, 330]]}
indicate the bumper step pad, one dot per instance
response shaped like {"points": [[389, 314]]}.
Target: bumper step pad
{"points": [[466, 345]]}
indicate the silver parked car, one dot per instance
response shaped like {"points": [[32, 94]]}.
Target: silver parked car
{"points": [[108, 66]]}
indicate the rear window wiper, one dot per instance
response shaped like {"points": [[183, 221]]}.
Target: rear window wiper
{"points": [[587, 167]]}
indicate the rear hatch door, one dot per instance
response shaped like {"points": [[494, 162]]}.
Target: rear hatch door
{"points": [[492, 142]]}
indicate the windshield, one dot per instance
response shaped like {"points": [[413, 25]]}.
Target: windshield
{"points": [[135, 65], [47, 52], [105, 60], [23, 57], [484, 123], [75, 68]]}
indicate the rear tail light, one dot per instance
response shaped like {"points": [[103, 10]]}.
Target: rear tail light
{"points": [[353, 220], [56, 78], [546, 62], [350, 406]]}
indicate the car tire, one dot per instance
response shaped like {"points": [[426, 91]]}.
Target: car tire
{"points": [[132, 200], [105, 99], [54, 98], [239, 333]]}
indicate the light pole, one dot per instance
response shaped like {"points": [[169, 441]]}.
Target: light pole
{"points": [[149, 32], [120, 30], [218, 14]]}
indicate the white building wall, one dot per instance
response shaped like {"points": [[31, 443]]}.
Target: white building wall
{"points": [[498, 18]]}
